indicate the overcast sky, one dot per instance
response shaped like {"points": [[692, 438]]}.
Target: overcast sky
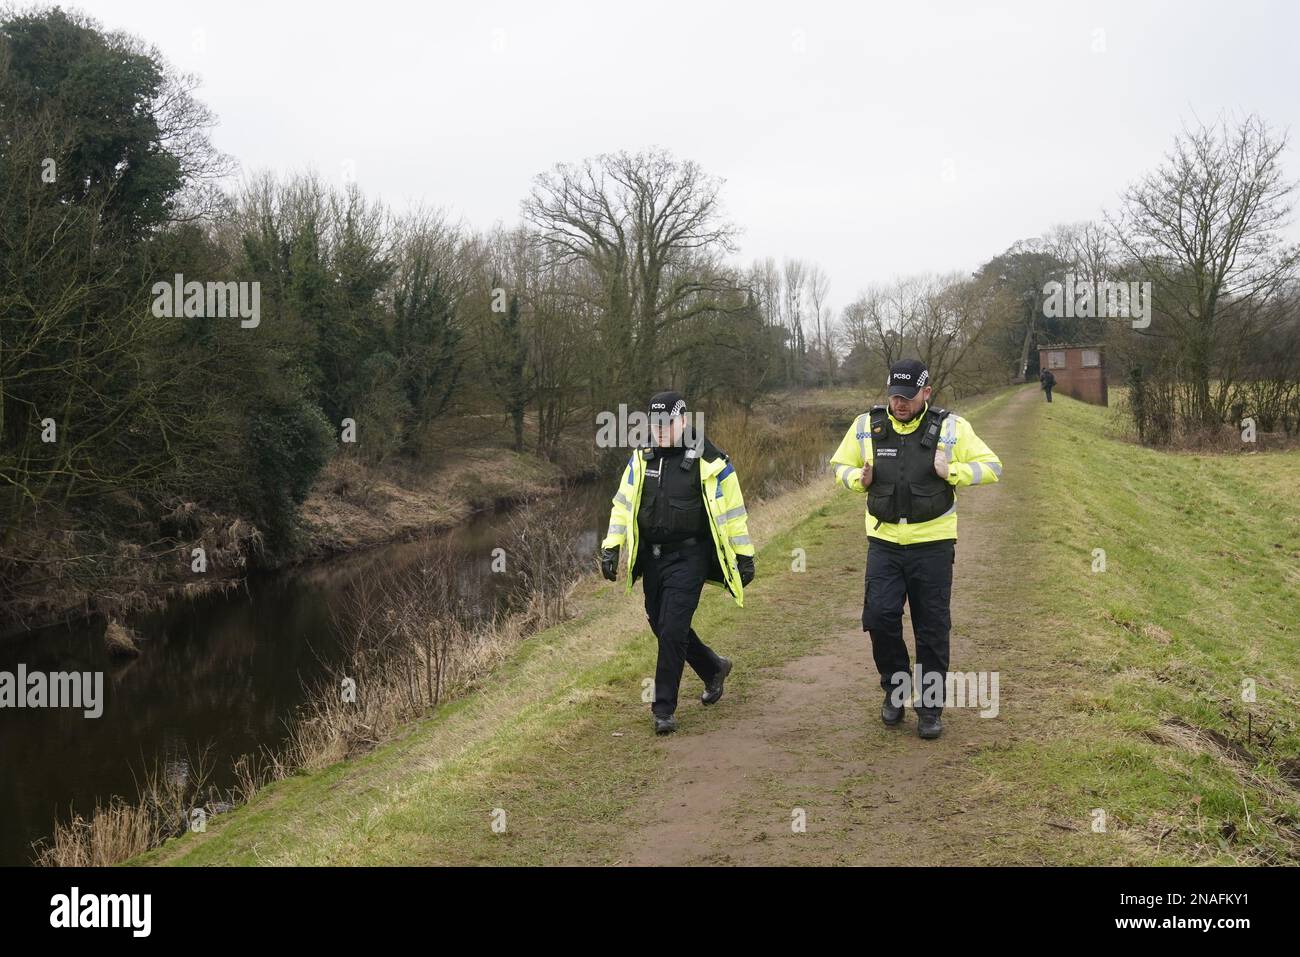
{"points": [[875, 139]]}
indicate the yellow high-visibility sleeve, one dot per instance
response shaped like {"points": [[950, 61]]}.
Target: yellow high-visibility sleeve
{"points": [[970, 461], [733, 520], [854, 452], [620, 514]]}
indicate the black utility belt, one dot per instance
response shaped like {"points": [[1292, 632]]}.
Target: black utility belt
{"points": [[933, 545], [667, 548]]}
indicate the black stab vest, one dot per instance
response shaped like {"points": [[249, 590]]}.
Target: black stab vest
{"points": [[903, 483], [672, 504]]}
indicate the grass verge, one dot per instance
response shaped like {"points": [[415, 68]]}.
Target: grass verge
{"points": [[558, 738], [1123, 687], [1138, 672]]}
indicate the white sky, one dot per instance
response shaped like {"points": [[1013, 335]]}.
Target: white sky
{"points": [[875, 139]]}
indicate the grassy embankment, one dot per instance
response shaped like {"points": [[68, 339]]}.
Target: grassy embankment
{"points": [[1142, 665], [1129, 695], [556, 737]]}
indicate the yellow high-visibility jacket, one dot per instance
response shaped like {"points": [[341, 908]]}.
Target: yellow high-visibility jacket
{"points": [[722, 499], [970, 462]]}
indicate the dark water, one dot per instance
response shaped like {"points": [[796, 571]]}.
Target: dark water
{"points": [[221, 672]]}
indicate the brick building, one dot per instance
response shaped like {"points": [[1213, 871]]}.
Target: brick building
{"points": [[1080, 371]]}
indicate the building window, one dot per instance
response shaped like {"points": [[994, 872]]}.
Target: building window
{"points": [[1056, 360], [1091, 357]]}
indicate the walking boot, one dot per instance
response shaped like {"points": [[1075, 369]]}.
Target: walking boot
{"points": [[714, 691]]}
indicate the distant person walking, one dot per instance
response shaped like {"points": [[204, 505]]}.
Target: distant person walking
{"points": [[1048, 380]]}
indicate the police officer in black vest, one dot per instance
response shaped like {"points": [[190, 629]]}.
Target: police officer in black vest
{"points": [[677, 550], [909, 458]]}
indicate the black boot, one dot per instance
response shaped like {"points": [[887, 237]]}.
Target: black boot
{"points": [[714, 691], [891, 713], [928, 724], [665, 725]]}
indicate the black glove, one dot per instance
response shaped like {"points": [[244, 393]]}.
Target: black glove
{"points": [[746, 565], [609, 563]]}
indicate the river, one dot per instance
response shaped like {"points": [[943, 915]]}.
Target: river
{"points": [[222, 672], [225, 674]]}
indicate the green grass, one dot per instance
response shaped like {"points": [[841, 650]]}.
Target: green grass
{"points": [[1104, 675], [559, 738], [1198, 595]]}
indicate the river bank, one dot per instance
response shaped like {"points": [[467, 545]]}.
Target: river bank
{"points": [[1121, 737], [222, 675], [90, 572], [125, 561]]}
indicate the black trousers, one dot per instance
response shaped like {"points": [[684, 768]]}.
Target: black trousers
{"points": [[672, 584], [1048, 390], [921, 575]]}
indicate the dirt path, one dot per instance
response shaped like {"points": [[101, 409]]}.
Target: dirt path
{"points": [[809, 737]]}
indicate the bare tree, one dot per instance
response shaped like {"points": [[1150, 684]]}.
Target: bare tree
{"points": [[945, 321], [794, 276], [649, 227], [823, 321], [1204, 227], [764, 280]]}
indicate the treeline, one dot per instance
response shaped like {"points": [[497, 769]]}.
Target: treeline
{"points": [[1207, 231], [1202, 239], [409, 332], [414, 334], [129, 400]]}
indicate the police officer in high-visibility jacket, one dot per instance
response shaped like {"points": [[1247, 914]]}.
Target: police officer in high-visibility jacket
{"points": [[680, 512], [908, 458]]}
